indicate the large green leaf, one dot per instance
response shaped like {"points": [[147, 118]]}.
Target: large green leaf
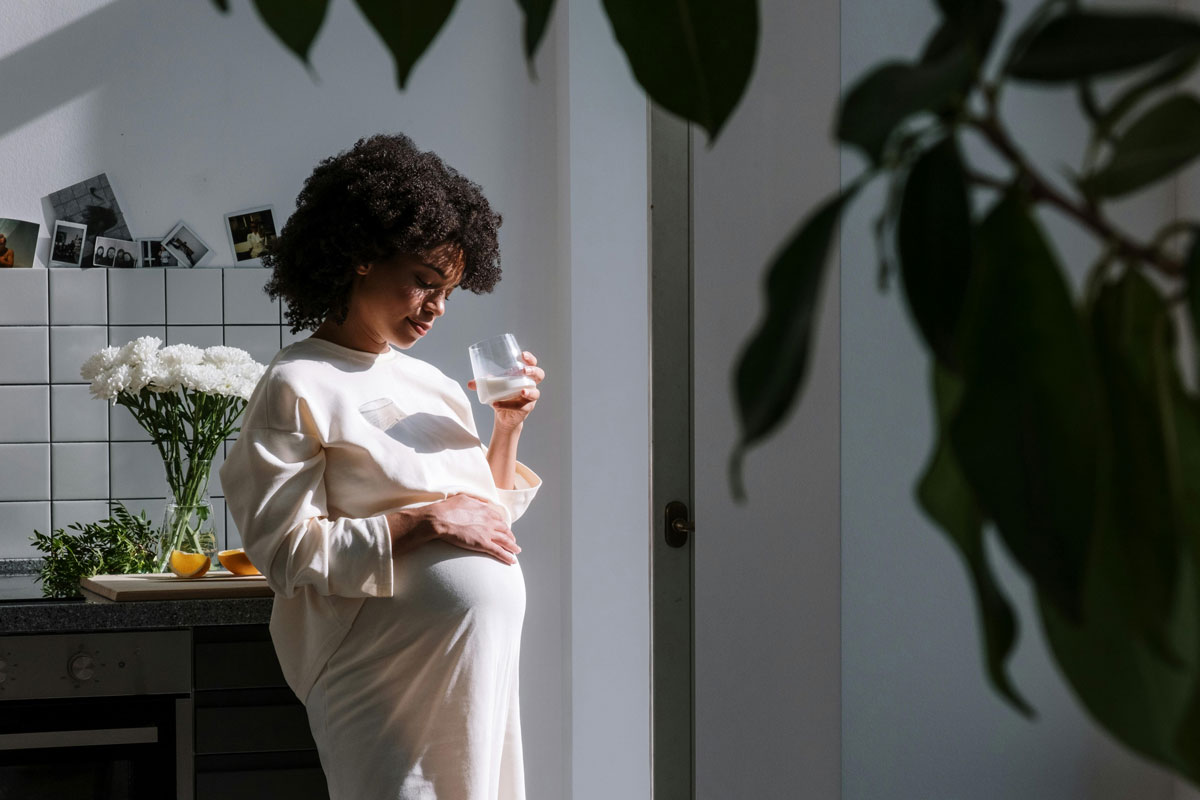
{"points": [[1026, 432], [692, 57], [934, 235], [537, 15], [945, 495], [1171, 70], [294, 22], [1154, 146], [773, 365], [1135, 351], [1080, 44], [407, 28], [891, 93], [1146, 700], [1139, 697]]}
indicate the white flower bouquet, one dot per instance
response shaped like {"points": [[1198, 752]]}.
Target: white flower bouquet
{"points": [[189, 401]]}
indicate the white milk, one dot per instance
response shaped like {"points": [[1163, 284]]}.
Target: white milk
{"points": [[501, 387]]}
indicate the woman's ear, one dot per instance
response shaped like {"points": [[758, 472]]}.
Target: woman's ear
{"points": [[363, 269]]}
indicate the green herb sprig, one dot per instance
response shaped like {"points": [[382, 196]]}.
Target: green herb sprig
{"points": [[122, 544]]}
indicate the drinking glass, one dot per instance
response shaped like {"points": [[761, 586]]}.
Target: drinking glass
{"points": [[498, 368]]}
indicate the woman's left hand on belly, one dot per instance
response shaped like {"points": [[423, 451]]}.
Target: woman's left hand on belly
{"points": [[512, 412]]}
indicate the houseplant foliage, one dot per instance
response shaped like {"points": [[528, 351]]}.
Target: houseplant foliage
{"points": [[122, 543], [1063, 423], [189, 400]]}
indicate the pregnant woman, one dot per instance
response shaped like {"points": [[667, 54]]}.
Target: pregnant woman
{"points": [[363, 492]]}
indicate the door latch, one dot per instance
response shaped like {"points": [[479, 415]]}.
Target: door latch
{"points": [[678, 526]]}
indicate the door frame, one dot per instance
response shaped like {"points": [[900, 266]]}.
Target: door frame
{"points": [[672, 568]]}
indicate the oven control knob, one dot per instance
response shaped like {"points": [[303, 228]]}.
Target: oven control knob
{"points": [[81, 667]]}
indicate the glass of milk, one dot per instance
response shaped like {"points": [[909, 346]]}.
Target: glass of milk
{"points": [[498, 368]]}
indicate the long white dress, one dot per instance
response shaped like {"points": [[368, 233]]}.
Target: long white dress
{"points": [[408, 667]]}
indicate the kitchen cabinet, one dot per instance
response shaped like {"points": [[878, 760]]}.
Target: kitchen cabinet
{"points": [[251, 735]]}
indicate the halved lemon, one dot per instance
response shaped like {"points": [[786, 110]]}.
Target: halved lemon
{"points": [[237, 562], [189, 565]]}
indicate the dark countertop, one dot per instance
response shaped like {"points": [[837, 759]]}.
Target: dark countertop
{"points": [[24, 610], [63, 616]]}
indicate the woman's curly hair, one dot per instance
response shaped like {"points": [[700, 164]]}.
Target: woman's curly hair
{"points": [[378, 199]]}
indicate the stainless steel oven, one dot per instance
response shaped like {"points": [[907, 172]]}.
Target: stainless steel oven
{"points": [[104, 715]]}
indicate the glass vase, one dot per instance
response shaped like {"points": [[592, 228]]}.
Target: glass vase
{"points": [[188, 539]]}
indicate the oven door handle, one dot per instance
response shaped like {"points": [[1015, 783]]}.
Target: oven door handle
{"points": [[88, 737]]}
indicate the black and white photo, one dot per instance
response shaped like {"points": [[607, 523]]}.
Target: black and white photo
{"points": [[66, 250], [92, 203], [183, 243], [250, 231], [116, 253], [18, 240], [155, 255]]}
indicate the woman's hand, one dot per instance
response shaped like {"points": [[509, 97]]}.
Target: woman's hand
{"points": [[511, 413], [473, 524]]}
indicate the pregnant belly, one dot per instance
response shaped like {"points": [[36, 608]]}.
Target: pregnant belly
{"points": [[443, 578], [445, 598]]}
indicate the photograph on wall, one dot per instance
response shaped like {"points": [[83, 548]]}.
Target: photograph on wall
{"points": [[155, 255], [18, 240], [250, 231], [66, 249], [92, 203], [115, 253], [187, 247]]}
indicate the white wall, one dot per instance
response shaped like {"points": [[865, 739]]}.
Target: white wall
{"points": [[193, 114], [918, 719], [766, 574], [603, 195]]}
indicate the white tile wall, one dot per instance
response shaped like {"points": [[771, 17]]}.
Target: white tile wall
{"points": [[194, 296], [26, 415], [70, 346], [25, 471], [18, 521], [260, 341], [122, 334], [64, 512], [77, 416], [199, 335], [245, 301], [23, 301], [137, 297], [63, 453], [122, 427], [78, 470], [136, 470], [24, 354], [78, 296]]}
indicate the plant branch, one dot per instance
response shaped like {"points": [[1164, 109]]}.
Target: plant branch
{"points": [[1086, 213]]}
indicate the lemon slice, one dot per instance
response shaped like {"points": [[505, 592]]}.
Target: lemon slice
{"points": [[189, 565]]}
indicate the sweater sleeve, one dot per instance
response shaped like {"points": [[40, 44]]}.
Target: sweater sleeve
{"points": [[518, 499], [275, 490]]}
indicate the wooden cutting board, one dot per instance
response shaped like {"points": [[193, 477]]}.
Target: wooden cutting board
{"points": [[165, 586]]}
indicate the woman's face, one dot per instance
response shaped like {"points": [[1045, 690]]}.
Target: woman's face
{"points": [[398, 299]]}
